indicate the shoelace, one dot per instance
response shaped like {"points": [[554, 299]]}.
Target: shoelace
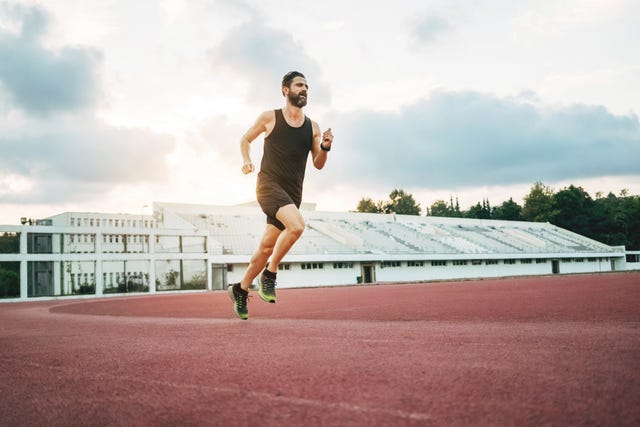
{"points": [[242, 299], [269, 285]]}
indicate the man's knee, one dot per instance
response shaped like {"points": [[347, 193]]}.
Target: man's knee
{"points": [[266, 248], [290, 217], [296, 228]]}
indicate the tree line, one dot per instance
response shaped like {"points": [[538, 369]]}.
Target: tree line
{"points": [[613, 220]]}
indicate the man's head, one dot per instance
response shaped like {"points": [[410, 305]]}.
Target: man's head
{"points": [[294, 88], [288, 78]]}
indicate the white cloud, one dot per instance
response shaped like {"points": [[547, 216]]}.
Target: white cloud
{"points": [[261, 55], [466, 138], [553, 18], [15, 184], [333, 25], [617, 88], [172, 85], [43, 81], [69, 158], [428, 28], [53, 148]]}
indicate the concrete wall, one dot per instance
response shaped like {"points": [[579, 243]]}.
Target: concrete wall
{"points": [[296, 276]]}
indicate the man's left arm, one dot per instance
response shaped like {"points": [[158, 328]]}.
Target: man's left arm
{"points": [[321, 145]]}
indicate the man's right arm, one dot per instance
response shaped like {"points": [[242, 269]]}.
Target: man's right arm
{"points": [[262, 124]]}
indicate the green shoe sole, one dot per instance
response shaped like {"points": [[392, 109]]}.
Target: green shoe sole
{"points": [[266, 298]]}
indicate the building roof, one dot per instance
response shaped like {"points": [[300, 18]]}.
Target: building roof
{"points": [[238, 229]]}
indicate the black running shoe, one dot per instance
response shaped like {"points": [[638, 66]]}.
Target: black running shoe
{"points": [[239, 297], [267, 290]]}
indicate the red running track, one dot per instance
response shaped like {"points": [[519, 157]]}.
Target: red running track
{"points": [[553, 350]]}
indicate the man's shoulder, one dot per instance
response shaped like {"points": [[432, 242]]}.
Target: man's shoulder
{"points": [[266, 119], [269, 114]]}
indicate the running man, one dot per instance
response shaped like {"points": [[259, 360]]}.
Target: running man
{"points": [[289, 137]]}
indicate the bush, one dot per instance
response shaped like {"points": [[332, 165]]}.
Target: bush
{"points": [[194, 284], [198, 281], [86, 289], [9, 284], [132, 286]]}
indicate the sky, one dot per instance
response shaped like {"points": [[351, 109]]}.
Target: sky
{"points": [[108, 106]]}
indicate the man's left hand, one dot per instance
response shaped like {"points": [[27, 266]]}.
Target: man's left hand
{"points": [[327, 138]]}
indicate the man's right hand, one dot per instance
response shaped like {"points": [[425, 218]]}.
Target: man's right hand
{"points": [[247, 168]]}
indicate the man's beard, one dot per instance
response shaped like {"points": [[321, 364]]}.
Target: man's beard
{"points": [[298, 100]]}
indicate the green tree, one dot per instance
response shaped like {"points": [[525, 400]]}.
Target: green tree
{"points": [[480, 211], [574, 210], [632, 207], [439, 208], [615, 220], [539, 204], [367, 205], [508, 210], [474, 211], [455, 209], [402, 203]]}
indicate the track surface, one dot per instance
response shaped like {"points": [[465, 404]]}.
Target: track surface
{"points": [[553, 350]]}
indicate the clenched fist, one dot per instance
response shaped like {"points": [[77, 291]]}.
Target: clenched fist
{"points": [[327, 139], [247, 168]]}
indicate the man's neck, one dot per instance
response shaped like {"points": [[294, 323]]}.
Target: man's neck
{"points": [[292, 111]]}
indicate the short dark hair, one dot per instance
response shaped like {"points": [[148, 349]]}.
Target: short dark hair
{"points": [[288, 78]]}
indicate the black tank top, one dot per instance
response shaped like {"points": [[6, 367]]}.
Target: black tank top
{"points": [[286, 150]]}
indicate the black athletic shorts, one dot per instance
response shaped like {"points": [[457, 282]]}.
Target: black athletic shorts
{"points": [[271, 197]]}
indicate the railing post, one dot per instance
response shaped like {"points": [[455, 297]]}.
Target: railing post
{"points": [[24, 279], [152, 263], [97, 247]]}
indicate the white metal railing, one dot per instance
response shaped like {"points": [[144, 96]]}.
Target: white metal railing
{"points": [[65, 267]]}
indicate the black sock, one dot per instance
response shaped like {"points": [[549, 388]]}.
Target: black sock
{"points": [[269, 274]]}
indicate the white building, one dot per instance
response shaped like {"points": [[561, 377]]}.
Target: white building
{"points": [[184, 247]]}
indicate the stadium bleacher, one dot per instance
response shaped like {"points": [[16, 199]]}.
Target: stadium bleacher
{"points": [[238, 230]]}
